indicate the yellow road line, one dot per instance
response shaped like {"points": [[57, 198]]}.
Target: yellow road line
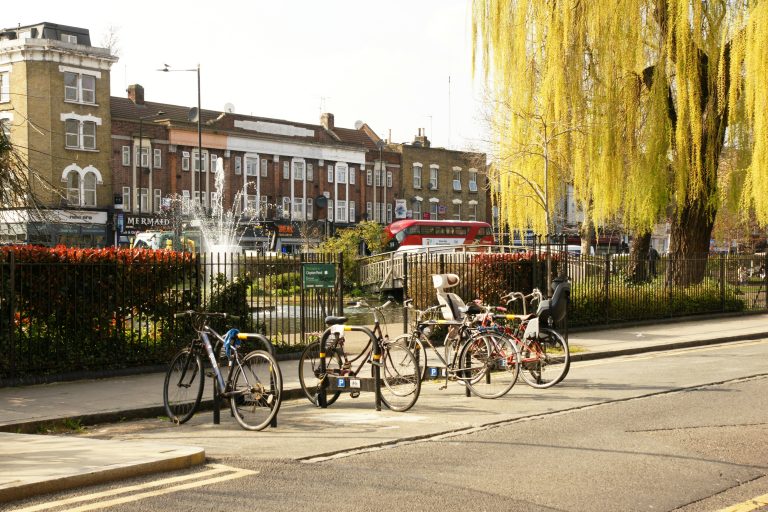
{"points": [[215, 469], [748, 505]]}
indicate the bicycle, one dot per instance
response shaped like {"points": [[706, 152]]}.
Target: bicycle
{"points": [[254, 384], [398, 368], [486, 362], [545, 355]]}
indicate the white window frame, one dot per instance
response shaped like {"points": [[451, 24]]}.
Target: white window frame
{"points": [[298, 208], [185, 157], [144, 200], [417, 169], [369, 177], [330, 173], [310, 207], [352, 176], [341, 172], [74, 186], [389, 179], [251, 166], [369, 210], [214, 158], [352, 212], [185, 200], [126, 152], [310, 172], [238, 165], [157, 197], [472, 214], [251, 202], [298, 169], [196, 160], [389, 213], [433, 177], [80, 135], [157, 158], [330, 210], [69, 38], [416, 210], [79, 92], [286, 170], [472, 174], [456, 214], [144, 162], [341, 210], [5, 86], [286, 210], [264, 168], [126, 198]]}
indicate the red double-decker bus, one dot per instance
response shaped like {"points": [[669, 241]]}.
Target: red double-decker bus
{"points": [[412, 234]]}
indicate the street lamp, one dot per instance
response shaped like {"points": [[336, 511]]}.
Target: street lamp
{"points": [[140, 166], [166, 69]]}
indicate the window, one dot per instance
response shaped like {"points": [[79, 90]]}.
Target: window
{"points": [[416, 210], [369, 177], [389, 213], [377, 177], [352, 212], [352, 177], [5, 87], [251, 201], [185, 201], [185, 160], [196, 160], [214, 158], [298, 170], [79, 88], [369, 210], [144, 200], [457, 179], [286, 171], [389, 179], [341, 211], [341, 173], [127, 198], [157, 159], [126, 155], [433, 177], [416, 176], [144, 157], [251, 166], [69, 38], [5, 127], [286, 213], [472, 211], [298, 208], [434, 209], [264, 167], [457, 211], [330, 174], [238, 165], [204, 196], [73, 188], [472, 181], [310, 172], [156, 199], [80, 134], [310, 206]]}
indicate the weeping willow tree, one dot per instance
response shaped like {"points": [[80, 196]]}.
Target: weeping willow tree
{"points": [[646, 95]]}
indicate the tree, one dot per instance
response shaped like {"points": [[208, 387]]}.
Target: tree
{"points": [[350, 240], [658, 88], [15, 176]]}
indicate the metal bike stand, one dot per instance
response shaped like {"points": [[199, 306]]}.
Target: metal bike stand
{"points": [[347, 382]]}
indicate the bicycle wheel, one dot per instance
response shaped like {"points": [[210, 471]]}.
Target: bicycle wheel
{"points": [[489, 364], [400, 377], [545, 360], [415, 345], [310, 376], [257, 390], [183, 386]]}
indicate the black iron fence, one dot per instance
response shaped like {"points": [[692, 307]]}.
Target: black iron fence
{"points": [[87, 317]]}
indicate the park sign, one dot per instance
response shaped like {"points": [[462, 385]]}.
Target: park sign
{"points": [[319, 275]]}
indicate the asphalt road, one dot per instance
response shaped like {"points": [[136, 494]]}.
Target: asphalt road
{"points": [[680, 430]]}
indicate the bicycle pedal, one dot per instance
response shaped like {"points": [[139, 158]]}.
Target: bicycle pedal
{"points": [[375, 363], [354, 394]]}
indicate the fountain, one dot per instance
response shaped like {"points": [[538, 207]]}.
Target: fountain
{"points": [[220, 231]]}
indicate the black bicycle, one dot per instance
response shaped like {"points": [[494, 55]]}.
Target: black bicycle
{"points": [[254, 384]]}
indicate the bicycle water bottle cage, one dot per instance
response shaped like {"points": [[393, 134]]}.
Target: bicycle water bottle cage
{"points": [[335, 320], [231, 340]]}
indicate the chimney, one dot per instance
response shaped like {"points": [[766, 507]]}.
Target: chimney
{"points": [[136, 94], [421, 139], [327, 121]]}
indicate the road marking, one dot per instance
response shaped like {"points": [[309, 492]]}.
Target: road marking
{"points": [[666, 353], [215, 469], [748, 505]]}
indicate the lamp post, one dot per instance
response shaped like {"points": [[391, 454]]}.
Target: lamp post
{"points": [[140, 166], [166, 69]]}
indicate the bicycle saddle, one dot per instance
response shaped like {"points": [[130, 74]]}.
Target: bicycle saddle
{"points": [[335, 320], [472, 309]]}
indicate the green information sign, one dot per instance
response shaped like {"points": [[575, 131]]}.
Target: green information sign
{"points": [[319, 275]]}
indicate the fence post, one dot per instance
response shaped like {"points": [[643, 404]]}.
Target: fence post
{"points": [[302, 315], [405, 292], [12, 312], [340, 296], [722, 282], [607, 287]]}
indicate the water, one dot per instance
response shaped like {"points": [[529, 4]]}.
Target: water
{"points": [[220, 230]]}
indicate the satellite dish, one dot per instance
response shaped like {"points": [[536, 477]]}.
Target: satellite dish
{"points": [[229, 108], [358, 124], [321, 201], [193, 115]]}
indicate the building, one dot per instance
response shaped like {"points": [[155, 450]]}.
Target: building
{"points": [[442, 184], [54, 107]]}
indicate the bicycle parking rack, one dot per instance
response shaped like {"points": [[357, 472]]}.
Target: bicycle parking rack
{"points": [[351, 383], [217, 396]]}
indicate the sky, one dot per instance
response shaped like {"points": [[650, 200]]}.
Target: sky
{"points": [[398, 65]]}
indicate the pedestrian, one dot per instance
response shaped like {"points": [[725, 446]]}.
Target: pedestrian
{"points": [[653, 256]]}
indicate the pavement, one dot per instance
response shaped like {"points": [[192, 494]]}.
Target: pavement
{"points": [[32, 464]]}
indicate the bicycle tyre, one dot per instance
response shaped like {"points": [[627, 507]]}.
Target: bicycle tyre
{"points": [[551, 362], [490, 364], [257, 387], [415, 345], [309, 372], [183, 386], [400, 377]]}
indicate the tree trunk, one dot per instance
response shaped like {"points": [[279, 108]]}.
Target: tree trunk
{"points": [[637, 270], [587, 233], [689, 247]]}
